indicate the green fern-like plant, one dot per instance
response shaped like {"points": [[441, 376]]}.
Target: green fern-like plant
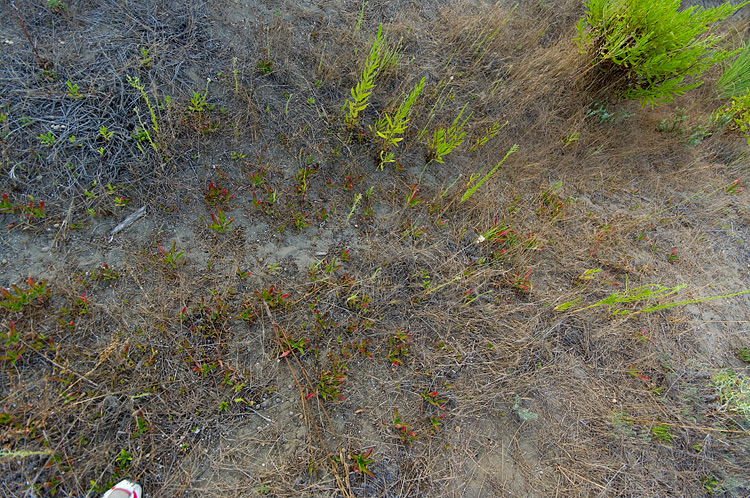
{"points": [[649, 50], [446, 139], [390, 128], [360, 94]]}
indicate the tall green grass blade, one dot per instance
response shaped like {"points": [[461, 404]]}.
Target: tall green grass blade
{"points": [[486, 177], [735, 80]]}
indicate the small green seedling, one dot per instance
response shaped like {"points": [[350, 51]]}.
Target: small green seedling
{"points": [[48, 139], [265, 66], [710, 484], [412, 198], [436, 422], [258, 177], [572, 137], [433, 398], [142, 133], [105, 133], [141, 425], [404, 432], [32, 211], [398, 348], [521, 283], [357, 198], [273, 297], [74, 91], [735, 187], [733, 391], [56, 6], [552, 202], [198, 101], [123, 459], [14, 299], [386, 158], [288, 345], [361, 461], [171, 257], [6, 206], [146, 58], [220, 222], [330, 382], [215, 195]]}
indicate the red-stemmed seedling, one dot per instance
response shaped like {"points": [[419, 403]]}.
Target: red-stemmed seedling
{"points": [[216, 195], [404, 431], [221, 223], [361, 461], [398, 348]]}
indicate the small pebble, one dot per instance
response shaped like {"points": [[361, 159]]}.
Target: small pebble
{"points": [[457, 429]]}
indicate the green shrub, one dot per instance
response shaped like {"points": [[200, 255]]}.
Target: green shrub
{"points": [[649, 51]]}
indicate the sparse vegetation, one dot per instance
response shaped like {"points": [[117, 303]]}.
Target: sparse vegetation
{"points": [[544, 293]]}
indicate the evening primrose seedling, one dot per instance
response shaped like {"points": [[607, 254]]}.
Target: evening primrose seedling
{"points": [[361, 461], [404, 431], [398, 348], [220, 222], [433, 398], [215, 195], [32, 211], [16, 299], [6, 206], [412, 198], [171, 257]]}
